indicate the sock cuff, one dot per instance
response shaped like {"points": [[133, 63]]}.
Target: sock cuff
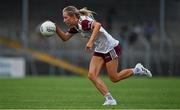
{"points": [[107, 94], [134, 71]]}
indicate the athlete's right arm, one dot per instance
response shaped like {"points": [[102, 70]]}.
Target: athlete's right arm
{"points": [[64, 36]]}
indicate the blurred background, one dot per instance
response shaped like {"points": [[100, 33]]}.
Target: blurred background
{"points": [[148, 31]]}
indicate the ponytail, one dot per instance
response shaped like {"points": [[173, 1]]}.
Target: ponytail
{"points": [[71, 10], [85, 12]]}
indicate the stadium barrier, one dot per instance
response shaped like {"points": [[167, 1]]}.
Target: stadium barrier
{"points": [[43, 56], [12, 67]]}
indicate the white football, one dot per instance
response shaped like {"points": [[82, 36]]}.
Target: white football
{"points": [[48, 29]]}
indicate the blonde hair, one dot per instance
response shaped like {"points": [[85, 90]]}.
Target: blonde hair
{"points": [[72, 10]]}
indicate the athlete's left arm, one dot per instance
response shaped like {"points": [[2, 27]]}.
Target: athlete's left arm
{"points": [[96, 27]]}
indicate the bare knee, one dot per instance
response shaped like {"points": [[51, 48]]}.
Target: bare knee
{"points": [[114, 79], [92, 76]]}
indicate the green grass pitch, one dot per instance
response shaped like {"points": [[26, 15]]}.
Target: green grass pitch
{"points": [[79, 93]]}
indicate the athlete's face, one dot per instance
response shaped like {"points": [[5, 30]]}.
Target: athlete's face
{"points": [[70, 20]]}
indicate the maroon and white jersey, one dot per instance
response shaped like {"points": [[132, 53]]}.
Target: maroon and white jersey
{"points": [[104, 41]]}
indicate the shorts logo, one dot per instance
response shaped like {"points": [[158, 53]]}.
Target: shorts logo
{"points": [[113, 54]]}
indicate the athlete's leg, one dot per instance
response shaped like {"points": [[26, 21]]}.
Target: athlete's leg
{"points": [[95, 67], [112, 66]]}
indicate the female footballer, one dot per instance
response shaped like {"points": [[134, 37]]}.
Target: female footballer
{"points": [[106, 49]]}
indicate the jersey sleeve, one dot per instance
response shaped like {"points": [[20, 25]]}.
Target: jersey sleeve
{"points": [[72, 30], [87, 24]]}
